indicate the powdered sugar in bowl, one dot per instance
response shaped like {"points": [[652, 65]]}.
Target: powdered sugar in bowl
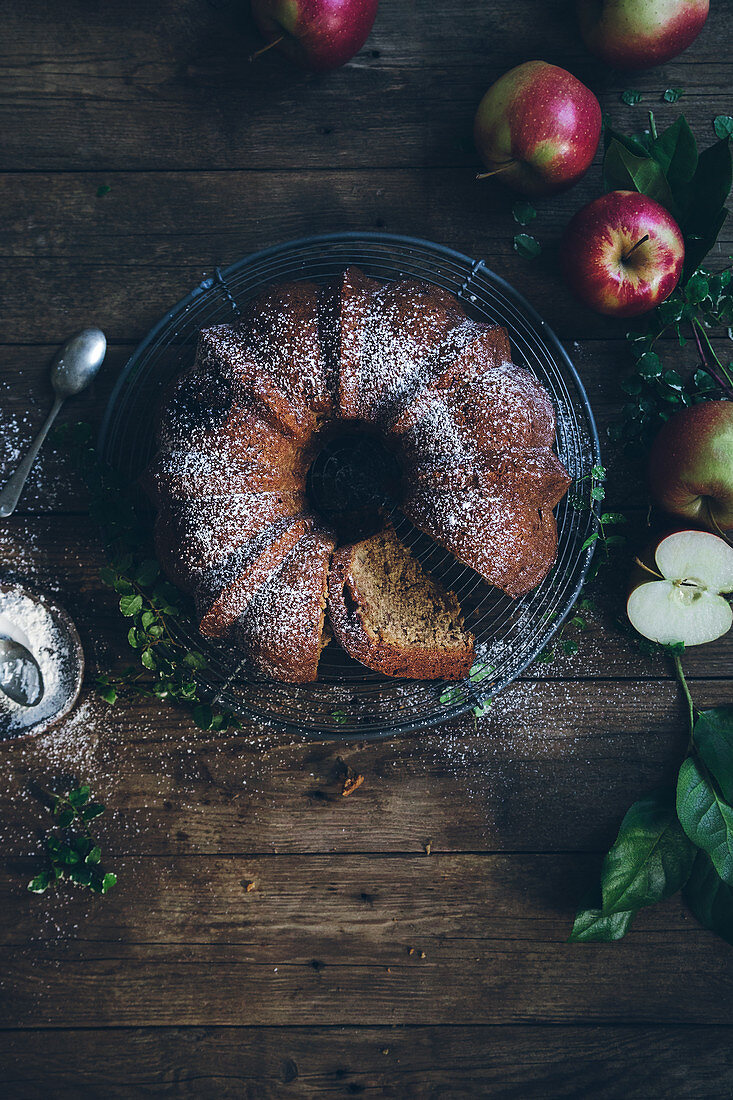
{"points": [[48, 633]]}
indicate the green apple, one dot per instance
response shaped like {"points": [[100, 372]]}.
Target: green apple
{"points": [[691, 465]]}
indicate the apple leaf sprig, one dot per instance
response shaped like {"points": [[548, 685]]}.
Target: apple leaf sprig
{"points": [[607, 542], [694, 314], [169, 667], [674, 839], [694, 187], [70, 849], [668, 167]]}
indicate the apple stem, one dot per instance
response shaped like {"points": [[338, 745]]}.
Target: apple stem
{"points": [[653, 572], [691, 708], [727, 385], [269, 46], [633, 248], [721, 533], [495, 171]]}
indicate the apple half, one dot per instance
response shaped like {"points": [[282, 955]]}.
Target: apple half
{"points": [[686, 604]]}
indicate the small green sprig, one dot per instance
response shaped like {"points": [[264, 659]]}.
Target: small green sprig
{"points": [[694, 314], [589, 493], [70, 849], [168, 667]]}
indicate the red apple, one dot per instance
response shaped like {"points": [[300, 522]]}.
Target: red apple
{"points": [[691, 465], [636, 34], [318, 34], [537, 129], [622, 254]]}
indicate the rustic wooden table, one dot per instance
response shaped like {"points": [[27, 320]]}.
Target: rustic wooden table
{"points": [[408, 940]]}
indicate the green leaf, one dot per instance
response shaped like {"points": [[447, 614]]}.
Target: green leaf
{"points": [[570, 647], [94, 809], [610, 519], [130, 605], [713, 737], [147, 573], [93, 855], [40, 883], [147, 620], [81, 874], [706, 196], [590, 540], [649, 366], [630, 97], [651, 858], [79, 796], [108, 693], [523, 212], [108, 882], [195, 660], [709, 898], [103, 189], [705, 817], [148, 659], [723, 126], [624, 171], [527, 246], [591, 926], [673, 94], [203, 716], [64, 815], [697, 288], [675, 150]]}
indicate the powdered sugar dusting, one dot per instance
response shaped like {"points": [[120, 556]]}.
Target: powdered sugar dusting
{"points": [[34, 624]]}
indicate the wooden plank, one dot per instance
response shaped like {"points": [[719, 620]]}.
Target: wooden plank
{"points": [[121, 261], [642, 1063], [360, 909], [169, 85], [663, 972], [552, 767]]}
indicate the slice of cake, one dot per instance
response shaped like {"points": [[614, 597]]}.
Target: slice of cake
{"points": [[282, 632], [390, 615]]}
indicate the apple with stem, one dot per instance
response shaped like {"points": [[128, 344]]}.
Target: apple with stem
{"points": [[685, 604], [318, 34], [537, 129], [637, 34], [622, 254], [691, 465]]}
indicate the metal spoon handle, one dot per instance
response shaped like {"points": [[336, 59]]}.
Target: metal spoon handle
{"points": [[10, 494]]}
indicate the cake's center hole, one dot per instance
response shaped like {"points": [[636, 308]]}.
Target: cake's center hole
{"points": [[354, 479]]}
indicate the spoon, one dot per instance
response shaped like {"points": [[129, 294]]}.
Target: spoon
{"points": [[20, 676], [71, 371]]}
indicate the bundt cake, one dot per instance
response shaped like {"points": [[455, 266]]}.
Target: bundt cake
{"points": [[472, 433]]}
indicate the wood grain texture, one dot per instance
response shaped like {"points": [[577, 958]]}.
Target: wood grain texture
{"points": [[168, 85], [124, 259], [184, 982], [450, 1063], [553, 767]]}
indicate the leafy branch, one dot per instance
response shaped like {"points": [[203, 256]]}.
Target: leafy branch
{"points": [[674, 839], [71, 851]]}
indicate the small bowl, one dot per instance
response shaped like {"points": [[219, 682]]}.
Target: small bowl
{"points": [[73, 660]]}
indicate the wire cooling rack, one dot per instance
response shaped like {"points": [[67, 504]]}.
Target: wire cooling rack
{"points": [[349, 701]]}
